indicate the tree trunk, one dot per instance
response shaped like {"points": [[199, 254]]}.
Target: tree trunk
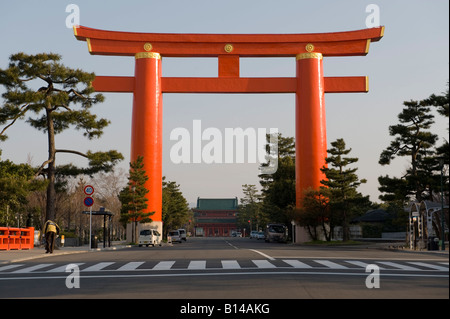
{"points": [[50, 171]]}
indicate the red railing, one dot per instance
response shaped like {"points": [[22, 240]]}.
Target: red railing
{"points": [[16, 238]]}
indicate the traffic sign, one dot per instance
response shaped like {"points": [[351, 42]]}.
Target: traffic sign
{"points": [[88, 201], [88, 190]]}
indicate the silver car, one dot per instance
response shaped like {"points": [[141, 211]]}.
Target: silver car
{"points": [[174, 236]]}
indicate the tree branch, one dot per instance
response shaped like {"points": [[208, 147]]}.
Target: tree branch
{"points": [[40, 169], [71, 151], [77, 94], [23, 110], [63, 106]]}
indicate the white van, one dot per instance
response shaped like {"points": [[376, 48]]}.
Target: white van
{"points": [[149, 237]]}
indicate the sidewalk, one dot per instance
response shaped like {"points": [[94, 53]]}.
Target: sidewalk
{"points": [[10, 256]]}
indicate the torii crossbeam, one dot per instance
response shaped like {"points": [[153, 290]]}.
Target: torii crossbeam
{"points": [[309, 86]]}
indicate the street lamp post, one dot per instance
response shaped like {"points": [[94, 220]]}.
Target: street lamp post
{"points": [[441, 162]]}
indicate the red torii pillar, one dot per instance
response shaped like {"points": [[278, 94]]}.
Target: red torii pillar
{"points": [[309, 86], [310, 123], [146, 135]]}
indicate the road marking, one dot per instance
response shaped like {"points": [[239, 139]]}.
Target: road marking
{"points": [[263, 264], [296, 263], [357, 263], [230, 264], [164, 265], [330, 264], [197, 264], [231, 244], [214, 274], [10, 267], [436, 267], [262, 254], [396, 265], [32, 268], [98, 266], [233, 264], [63, 268], [362, 264], [131, 265]]}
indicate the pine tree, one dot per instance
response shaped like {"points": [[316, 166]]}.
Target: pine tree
{"points": [[315, 213], [65, 100], [278, 189], [413, 140], [250, 208], [175, 209], [341, 185], [133, 199], [442, 156]]}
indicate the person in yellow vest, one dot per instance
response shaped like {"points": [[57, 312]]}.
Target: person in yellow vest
{"points": [[51, 229]]}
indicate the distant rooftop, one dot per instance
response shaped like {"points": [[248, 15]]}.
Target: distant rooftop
{"points": [[217, 203]]}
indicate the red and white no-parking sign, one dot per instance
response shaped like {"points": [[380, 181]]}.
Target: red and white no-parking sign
{"points": [[88, 201], [88, 190]]}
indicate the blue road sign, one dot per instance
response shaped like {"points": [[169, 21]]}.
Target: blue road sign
{"points": [[88, 201]]}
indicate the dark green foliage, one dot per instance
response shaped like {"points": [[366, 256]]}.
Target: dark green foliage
{"points": [[315, 214], [175, 209], [132, 196], [250, 208], [53, 98], [341, 187], [278, 189], [16, 183], [414, 140]]}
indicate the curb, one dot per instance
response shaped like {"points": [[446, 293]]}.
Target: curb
{"points": [[58, 252]]}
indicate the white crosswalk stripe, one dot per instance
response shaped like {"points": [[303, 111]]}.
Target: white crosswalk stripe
{"points": [[63, 268], [32, 268], [397, 265], [98, 266], [435, 267], [164, 265], [296, 263], [197, 264], [330, 264], [133, 265], [232, 264], [8, 267], [263, 264], [357, 263], [363, 264]]}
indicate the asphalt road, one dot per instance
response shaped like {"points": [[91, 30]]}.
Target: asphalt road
{"points": [[230, 269]]}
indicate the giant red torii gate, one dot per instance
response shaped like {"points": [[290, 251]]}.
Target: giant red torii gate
{"points": [[309, 86]]}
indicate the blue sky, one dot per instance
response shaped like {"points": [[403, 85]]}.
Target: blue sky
{"points": [[410, 62]]}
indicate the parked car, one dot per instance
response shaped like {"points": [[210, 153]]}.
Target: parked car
{"points": [[174, 236], [276, 232], [253, 234], [260, 235], [183, 234], [149, 237]]}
